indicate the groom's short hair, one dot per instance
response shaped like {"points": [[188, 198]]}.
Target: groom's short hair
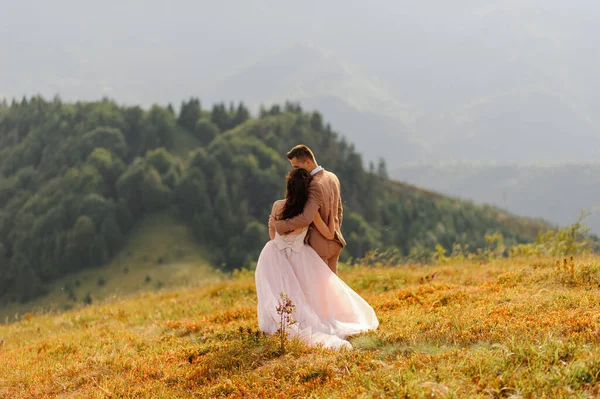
{"points": [[301, 152]]}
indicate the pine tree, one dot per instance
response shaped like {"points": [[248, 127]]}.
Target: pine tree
{"points": [[189, 114], [382, 169], [241, 115], [220, 117]]}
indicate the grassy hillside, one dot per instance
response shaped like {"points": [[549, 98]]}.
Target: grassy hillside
{"points": [[160, 253], [510, 328], [526, 225]]}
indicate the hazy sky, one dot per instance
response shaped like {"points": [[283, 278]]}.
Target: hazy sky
{"points": [[413, 46]]}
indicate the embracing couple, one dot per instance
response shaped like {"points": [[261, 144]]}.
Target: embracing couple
{"points": [[301, 260]]}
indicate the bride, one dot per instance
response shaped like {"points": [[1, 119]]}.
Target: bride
{"points": [[326, 309]]}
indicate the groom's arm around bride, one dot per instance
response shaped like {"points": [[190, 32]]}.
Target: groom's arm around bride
{"points": [[323, 197]]}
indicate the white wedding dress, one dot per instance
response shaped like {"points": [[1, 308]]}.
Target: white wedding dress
{"points": [[327, 309]]}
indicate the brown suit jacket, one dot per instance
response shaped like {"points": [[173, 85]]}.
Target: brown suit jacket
{"points": [[323, 197]]}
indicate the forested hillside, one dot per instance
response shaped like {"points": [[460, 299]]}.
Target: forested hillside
{"points": [[555, 192], [75, 178]]}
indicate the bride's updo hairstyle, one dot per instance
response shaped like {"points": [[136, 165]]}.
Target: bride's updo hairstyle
{"points": [[296, 194]]}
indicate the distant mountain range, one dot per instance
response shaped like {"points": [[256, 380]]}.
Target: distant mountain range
{"points": [[358, 106], [534, 119]]}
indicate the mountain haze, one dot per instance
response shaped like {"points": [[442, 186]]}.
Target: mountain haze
{"points": [[360, 107]]}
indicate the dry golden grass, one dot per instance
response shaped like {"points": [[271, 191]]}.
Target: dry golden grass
{"points": [[512, 328]]}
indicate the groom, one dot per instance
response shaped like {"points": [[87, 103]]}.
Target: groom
{"points": [[323, 197]]}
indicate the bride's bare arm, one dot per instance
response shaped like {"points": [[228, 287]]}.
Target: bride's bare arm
{"points": [[322, 227], [277, 205], [271, 231]]}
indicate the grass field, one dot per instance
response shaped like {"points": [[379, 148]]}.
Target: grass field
{"points": [[511, 328]]}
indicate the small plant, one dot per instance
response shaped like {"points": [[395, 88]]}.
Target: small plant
{"points": [[439, 257], [567, 268], [148, 279], [101, 281], [247, 334], [377, 258], [428, 278], [496, 247], [572, 274], [285, 309], [459, 254], [88, 298]]}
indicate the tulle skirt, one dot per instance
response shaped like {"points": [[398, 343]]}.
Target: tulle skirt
{"points": [[327, 310]]}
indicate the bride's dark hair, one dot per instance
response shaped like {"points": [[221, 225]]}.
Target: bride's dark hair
{"points": [[296, 194]]}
